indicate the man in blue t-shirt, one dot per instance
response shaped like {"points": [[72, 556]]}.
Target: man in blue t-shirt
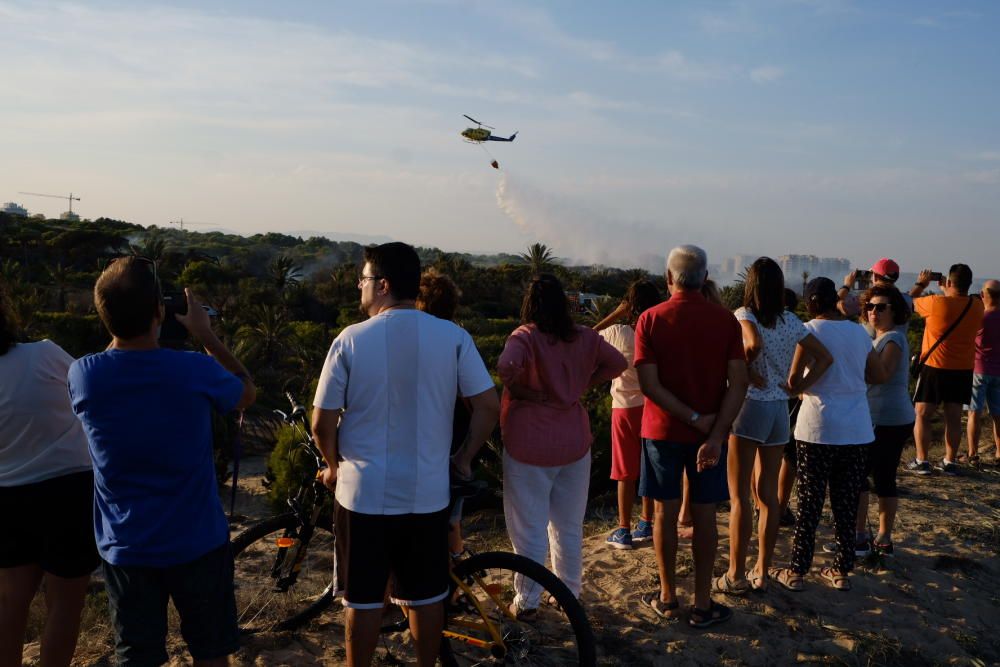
{"points": [[160, 527]]}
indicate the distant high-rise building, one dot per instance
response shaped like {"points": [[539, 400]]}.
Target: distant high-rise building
{"points": [[794, 266], [11, 208], [69, 215], [735, 265]]}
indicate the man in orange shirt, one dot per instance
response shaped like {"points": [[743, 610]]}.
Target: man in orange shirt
{"points": [[946, 376]]}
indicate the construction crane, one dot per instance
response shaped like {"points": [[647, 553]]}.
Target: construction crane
{"points": [[70, 198], [180, 223]]}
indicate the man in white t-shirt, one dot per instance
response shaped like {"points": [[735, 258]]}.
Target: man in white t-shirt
{"points": [[383, 420]]}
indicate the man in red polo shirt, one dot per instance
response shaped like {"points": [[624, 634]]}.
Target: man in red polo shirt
{"points": [[689, 356]]}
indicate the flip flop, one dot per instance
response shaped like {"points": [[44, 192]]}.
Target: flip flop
{"points": [[836, 578], [665, 610], [758, 582], [703, 618], [726, 586], [789, 580]]}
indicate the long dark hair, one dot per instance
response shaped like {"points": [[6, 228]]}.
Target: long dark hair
{"points": [[8, 323], [640, 297], [764, 291], [545, 305]]}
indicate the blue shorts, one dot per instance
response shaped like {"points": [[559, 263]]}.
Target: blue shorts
{"points": [[764, 422], [664, 464], [985, 393]]}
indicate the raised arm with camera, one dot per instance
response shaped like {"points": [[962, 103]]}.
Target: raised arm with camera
{"points": [[923, 280], [199, 324]]}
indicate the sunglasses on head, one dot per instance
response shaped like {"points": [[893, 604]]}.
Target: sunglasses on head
{"points": [[877, 307]]}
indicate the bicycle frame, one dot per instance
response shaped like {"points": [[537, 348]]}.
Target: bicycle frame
{"points": [[497, 647], [292, 548]]}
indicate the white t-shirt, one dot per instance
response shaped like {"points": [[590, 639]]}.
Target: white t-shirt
{"points": [[40, 437], [625, 392], [396, 376], [775, 357], [835, 410]]}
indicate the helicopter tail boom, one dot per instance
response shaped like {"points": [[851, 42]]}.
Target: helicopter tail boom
{"points": [[510, 138]]}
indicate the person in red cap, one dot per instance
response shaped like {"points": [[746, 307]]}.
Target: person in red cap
{"points": [[885, 273]]}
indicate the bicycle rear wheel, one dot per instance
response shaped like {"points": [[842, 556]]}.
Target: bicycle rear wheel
{"points": [[262, 555], [558, 633]]}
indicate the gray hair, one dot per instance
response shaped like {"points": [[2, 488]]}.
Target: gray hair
{"points": [[688, 266]]}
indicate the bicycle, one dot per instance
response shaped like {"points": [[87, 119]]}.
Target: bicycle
{"points": [[285, 577]]}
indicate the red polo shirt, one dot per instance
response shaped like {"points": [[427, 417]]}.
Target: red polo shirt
{"points": [[691, 341]]}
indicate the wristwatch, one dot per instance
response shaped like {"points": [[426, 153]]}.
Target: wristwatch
{"points": [[695, 416]]}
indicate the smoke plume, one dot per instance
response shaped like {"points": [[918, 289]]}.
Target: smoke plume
{"points": [[579, 235]]}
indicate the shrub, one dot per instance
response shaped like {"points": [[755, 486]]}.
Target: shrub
{"points": [[287, 467], [77, 334]]}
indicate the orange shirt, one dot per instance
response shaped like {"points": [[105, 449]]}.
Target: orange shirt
{"points": [[958, 351]]}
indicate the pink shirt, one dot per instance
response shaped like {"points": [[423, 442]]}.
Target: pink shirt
{"points": [[556, 432], [988, 345]]}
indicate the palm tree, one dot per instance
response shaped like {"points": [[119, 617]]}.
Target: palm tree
{"points": [[266, 334], [805, 279], [59, 275], [539, 258], [153, 247], [10, 272], [284, 273], [601, 308], [632, 275], [345, 279]]}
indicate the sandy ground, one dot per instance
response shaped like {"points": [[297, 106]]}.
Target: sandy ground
{"points": [[936, 602]]}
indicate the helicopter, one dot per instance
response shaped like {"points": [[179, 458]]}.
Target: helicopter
{"points": [[477, 135]]}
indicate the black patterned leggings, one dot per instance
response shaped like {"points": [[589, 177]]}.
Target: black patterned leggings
{"points": [[843, 466]]}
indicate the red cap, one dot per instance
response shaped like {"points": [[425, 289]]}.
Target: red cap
{"points": [[886, 267]]}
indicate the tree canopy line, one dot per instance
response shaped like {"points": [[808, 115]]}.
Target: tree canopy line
{"points": [[280, 299]]}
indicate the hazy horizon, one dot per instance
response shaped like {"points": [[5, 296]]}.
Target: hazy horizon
{"points": [[823, 127]]}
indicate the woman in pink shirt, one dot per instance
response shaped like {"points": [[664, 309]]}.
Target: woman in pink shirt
{"points": [[546, 366]]}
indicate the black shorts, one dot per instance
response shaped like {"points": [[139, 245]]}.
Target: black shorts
{"points": [[410, 548], [940, 385], [50, 524], [202, 591]]}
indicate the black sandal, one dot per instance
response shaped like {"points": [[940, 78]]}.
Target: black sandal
{"points": [[715, 614], [665, 610]]}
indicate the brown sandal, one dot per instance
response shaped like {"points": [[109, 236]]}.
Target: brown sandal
{"points": [[837, 578], [788, 579]]}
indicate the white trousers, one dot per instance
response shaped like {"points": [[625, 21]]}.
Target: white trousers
{"points": [[544, 507]]}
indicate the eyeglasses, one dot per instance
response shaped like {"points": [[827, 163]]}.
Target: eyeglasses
{"points": [[877, 307], [363, 279], [138, 258]]}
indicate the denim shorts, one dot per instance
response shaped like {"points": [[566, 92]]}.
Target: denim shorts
{"points": [[985, 393], [764, 422], [664, 464]]}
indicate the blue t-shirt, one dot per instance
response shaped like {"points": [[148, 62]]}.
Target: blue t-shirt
{"points": [[148, 419]]}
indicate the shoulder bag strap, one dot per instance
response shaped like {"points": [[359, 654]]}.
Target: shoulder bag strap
{"points": [[954, 325]]}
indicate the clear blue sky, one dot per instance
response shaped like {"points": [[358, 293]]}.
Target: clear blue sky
{"points": [[814, 126]]}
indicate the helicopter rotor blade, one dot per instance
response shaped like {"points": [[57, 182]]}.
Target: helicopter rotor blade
{"points": [[472, 119]]}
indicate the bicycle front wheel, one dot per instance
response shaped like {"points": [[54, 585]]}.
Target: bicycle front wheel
{"points": [[277, 586], [482, 629]]}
